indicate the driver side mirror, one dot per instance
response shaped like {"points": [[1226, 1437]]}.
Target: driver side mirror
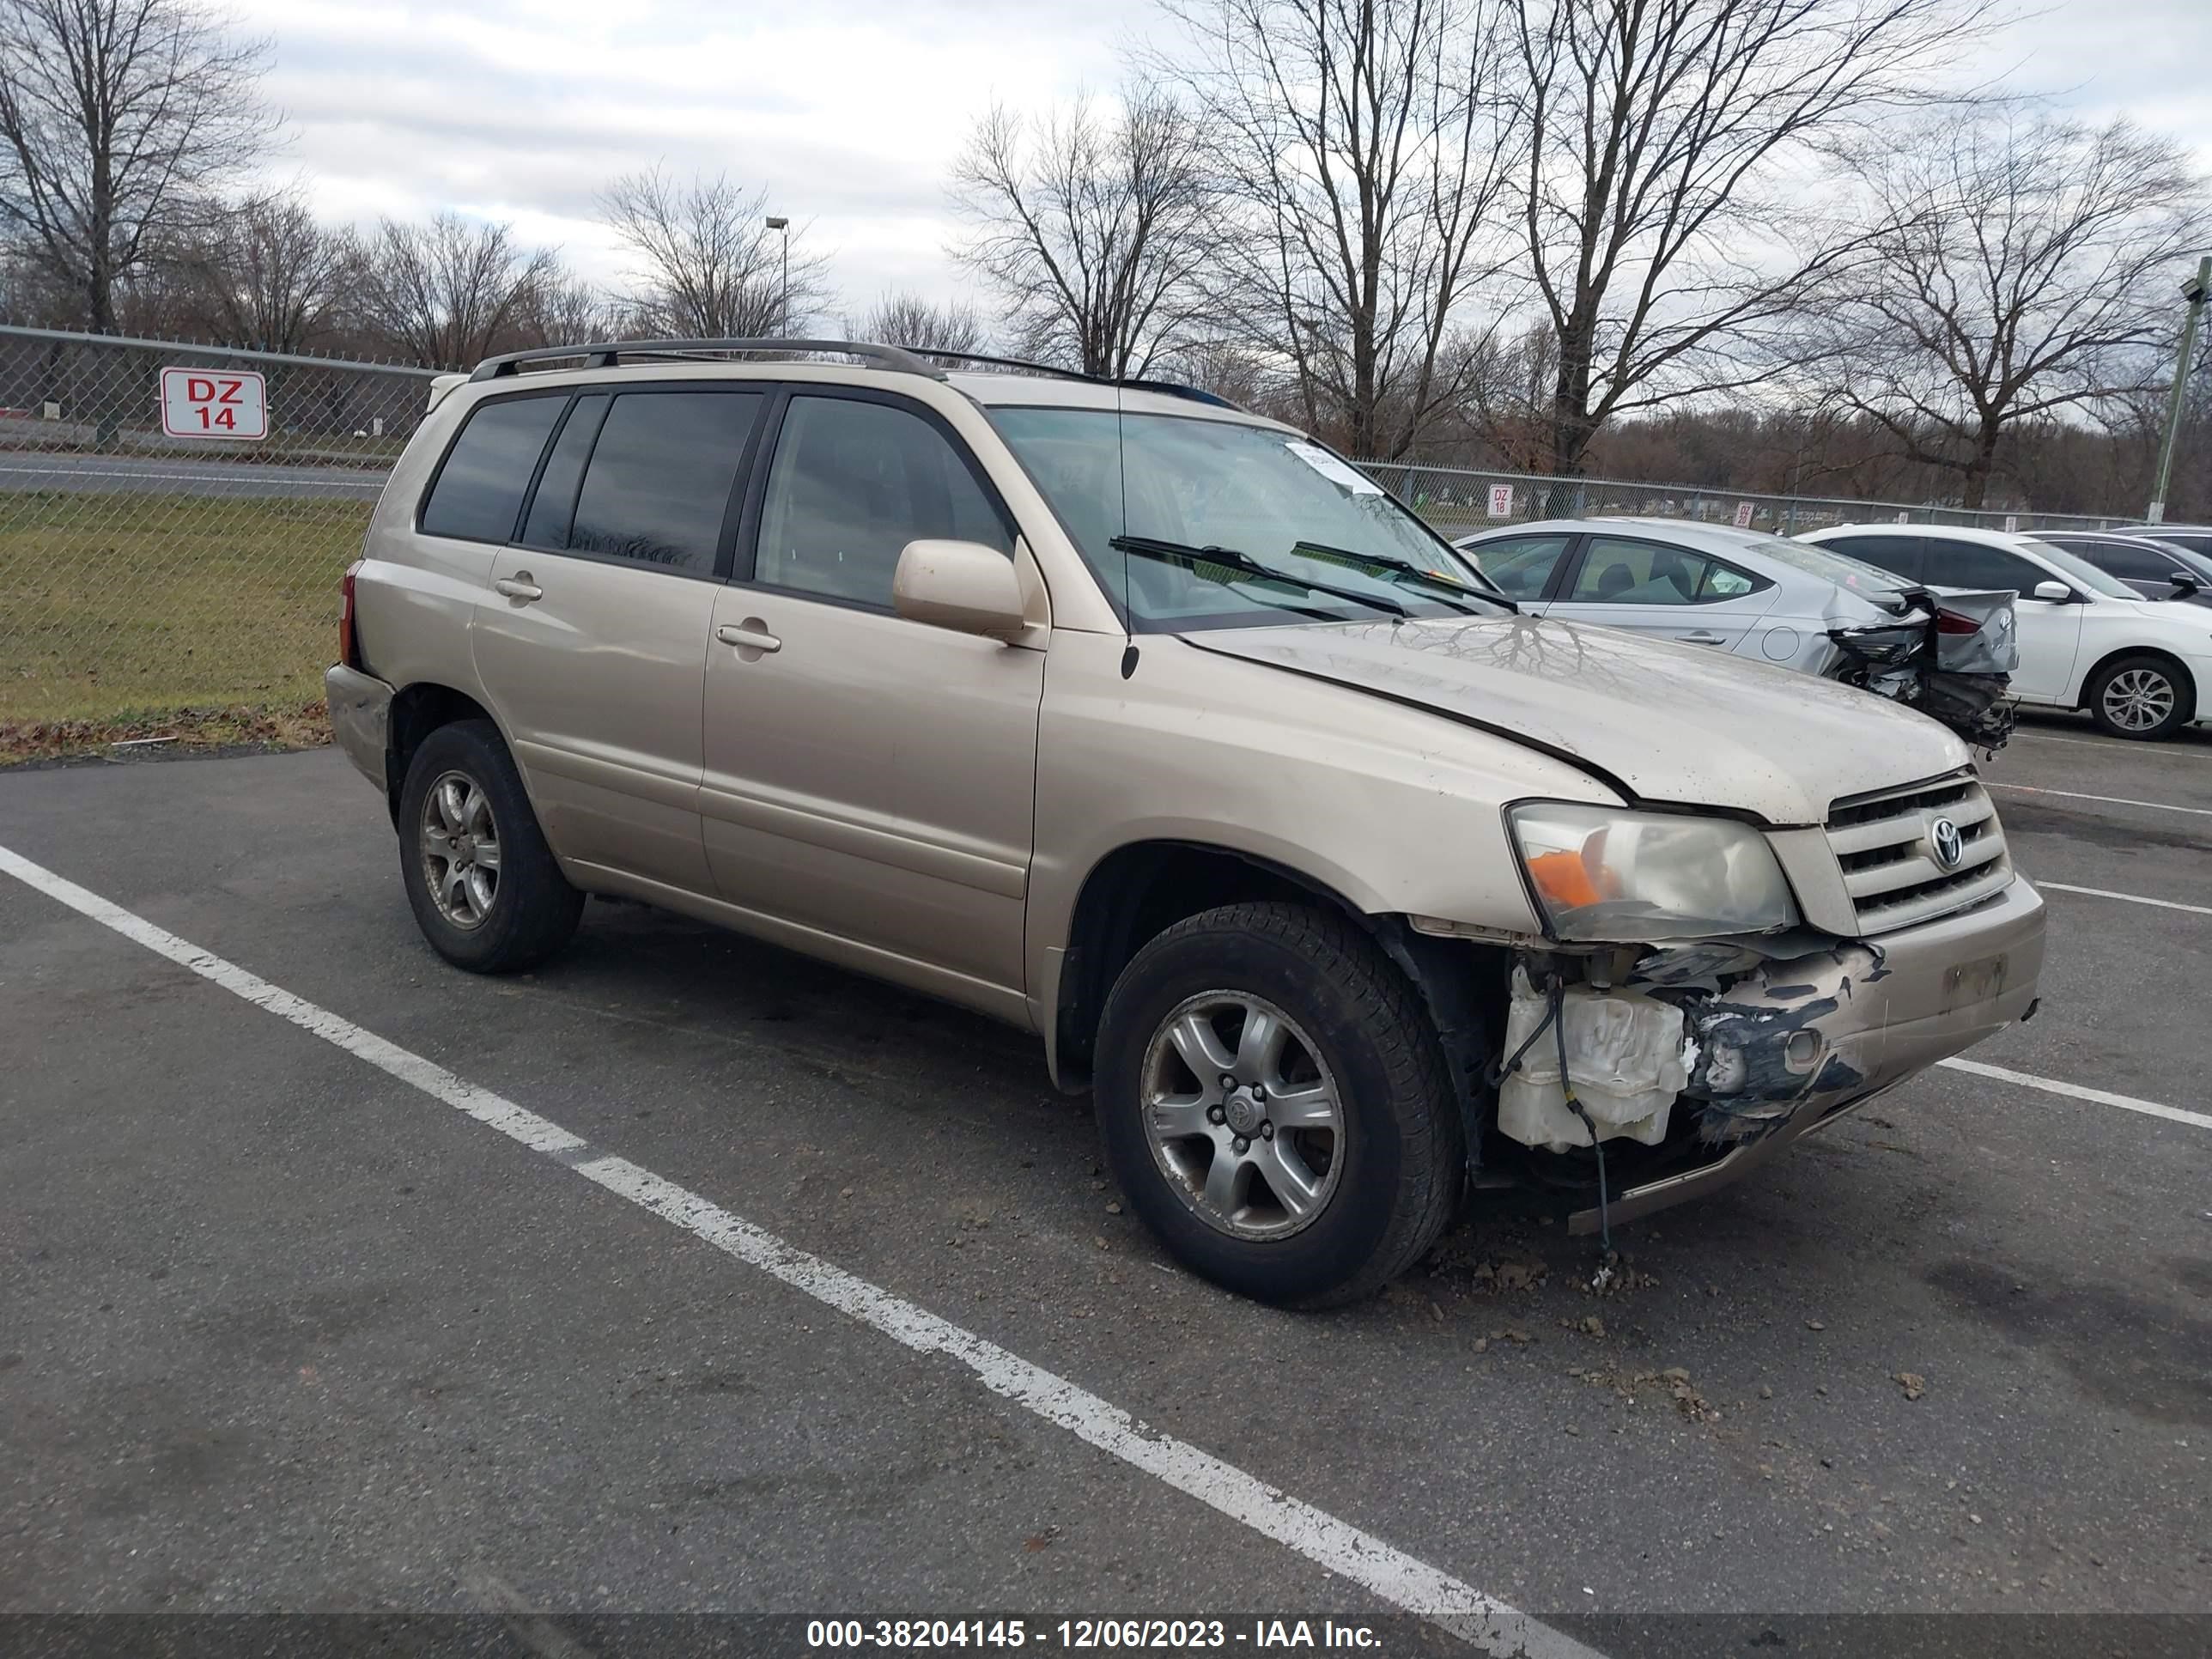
{"points": [[964, 586], [2185, 587], [2053, 594]]}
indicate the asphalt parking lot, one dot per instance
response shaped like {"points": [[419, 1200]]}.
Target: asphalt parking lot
{"points": [[288, 1322]]}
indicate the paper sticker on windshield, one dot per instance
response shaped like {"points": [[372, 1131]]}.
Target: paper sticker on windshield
{"points": [[1334, 470]]}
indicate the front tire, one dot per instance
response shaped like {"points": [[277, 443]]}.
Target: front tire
{"points": [[1276, 1106], [484, 887], [2142, 696]]}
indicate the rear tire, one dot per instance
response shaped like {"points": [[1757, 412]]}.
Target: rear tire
{"points": [[1353, 1115], [2143, 696], [484, 887]]}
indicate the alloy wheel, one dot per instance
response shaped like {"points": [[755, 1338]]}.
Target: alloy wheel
{"points": [[459, 842], [1242, 1115], [2138, 699]]}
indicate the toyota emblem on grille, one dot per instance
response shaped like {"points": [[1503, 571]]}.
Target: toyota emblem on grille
{"points": [[1946, 843]]}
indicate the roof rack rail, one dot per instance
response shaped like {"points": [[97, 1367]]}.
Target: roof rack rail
{"points": [[1053, 369], [1196, 394], [1166, 388], [608, 354]]}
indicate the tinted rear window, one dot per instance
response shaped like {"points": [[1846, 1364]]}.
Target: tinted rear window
{"points": [[480, 487], [555, 504], [661, 476], [1977, 564], [1897, 555]]}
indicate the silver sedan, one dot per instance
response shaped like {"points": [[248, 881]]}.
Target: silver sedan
{"points": [[1944, 651]]}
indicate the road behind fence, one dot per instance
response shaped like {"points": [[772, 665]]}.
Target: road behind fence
{"points": [[144, 571], [141, 570]]}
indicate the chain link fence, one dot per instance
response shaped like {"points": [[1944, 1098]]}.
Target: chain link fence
{"points": [[1459, 501], [155, 556]]}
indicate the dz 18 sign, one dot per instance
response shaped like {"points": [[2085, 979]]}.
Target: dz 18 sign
{"points": [[214, 402]]}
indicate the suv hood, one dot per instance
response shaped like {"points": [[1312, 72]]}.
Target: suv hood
{"points": [[1660, 721]]}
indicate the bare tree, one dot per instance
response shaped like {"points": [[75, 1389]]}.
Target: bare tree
{"points": [[2020, 267], [562, 309], [907, 320], [1089, 227], [1363, 158], [443, 294], [708, 265], [114, 113], [263, 272], [1660, 191], [1507, 400]]}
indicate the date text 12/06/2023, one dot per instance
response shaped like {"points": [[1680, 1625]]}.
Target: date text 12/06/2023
{"points": [[1081, 1635]]}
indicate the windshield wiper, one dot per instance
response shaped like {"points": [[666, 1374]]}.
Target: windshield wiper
{"points": [[1406, 567], [1184, 553]]}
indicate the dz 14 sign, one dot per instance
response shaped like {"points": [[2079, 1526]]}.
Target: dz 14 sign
{"points": [[214, 402]]}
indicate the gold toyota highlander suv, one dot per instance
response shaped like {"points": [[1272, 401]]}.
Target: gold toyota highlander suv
{"points": [[1116, 713]]}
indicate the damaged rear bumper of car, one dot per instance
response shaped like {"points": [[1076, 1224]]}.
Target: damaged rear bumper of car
{"points": [[1953, 661], [1789, 1047], [361, 717]]}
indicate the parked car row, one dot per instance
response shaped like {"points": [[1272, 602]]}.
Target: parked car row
{"points": [[1943, 650], [1348, 887], [2087, 639], [1957, 621]]}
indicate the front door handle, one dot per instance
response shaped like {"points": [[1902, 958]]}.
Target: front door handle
{"points": [[518, 587], [1703, 638], [752, 635]]}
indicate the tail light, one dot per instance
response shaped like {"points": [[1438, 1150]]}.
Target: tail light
{"points": [[1950, 621], [349, 647]]}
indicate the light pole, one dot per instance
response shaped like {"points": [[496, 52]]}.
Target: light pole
{"points": [[778, 222], [2194, 291]]}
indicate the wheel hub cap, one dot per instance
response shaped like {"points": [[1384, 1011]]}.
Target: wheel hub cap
{"points": [[1245, 1113]]}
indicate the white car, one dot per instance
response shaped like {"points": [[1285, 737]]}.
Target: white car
{"points": [[2087, 640]]}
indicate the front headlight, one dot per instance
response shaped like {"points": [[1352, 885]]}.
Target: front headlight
{"points": [[1634, 877]]}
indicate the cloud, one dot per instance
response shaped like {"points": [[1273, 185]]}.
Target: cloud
{"points": [[849, 113]]}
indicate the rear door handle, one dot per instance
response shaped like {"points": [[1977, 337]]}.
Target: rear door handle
{"points": [[519, 588], [750, 637], [1702, 638]]}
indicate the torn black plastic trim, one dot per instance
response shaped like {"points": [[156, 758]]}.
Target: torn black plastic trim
{"points": [[1760, 1046], [1458, 981]]}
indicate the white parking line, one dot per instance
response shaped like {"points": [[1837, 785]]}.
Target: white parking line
{"points": [[1337, 1545], [2075, 1091], [2109, 800], [2124, 898]]}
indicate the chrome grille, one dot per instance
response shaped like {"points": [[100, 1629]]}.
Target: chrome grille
{"points": [[1884, 843]]}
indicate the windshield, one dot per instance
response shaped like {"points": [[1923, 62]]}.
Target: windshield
{"points": [[2194, 562], [2082, 571], [1255, 489]]}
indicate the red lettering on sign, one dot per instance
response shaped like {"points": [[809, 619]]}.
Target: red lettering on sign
{"points": [[198, 391], [230, 391]]}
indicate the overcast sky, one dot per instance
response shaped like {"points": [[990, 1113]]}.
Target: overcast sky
{"points": [[849, 111]]}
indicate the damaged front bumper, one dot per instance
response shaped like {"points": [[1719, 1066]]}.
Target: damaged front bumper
{"points": [[1787, 1048]]}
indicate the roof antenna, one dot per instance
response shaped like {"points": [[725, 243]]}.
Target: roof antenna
{"points": [[1122, 466]]}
